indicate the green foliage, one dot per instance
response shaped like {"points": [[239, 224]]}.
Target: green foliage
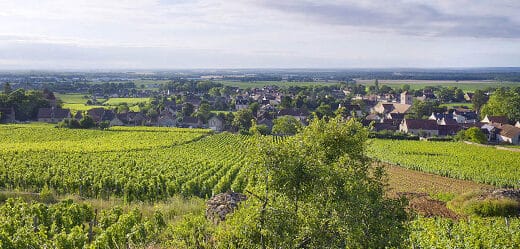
{"points": [[475, 135], [422, 109], [315, 190], [503, 102], [242, 120], [465, 233], [86, 122], [25, 103], [457, 160], [204, 112], [187, 109], [286, 125], [474, 204], [46, 195], [194, 231]]}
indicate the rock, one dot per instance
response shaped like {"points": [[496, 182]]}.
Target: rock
{"points": [[219, 206]]}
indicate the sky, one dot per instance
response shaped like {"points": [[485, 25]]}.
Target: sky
{"points": [[183, 34]]}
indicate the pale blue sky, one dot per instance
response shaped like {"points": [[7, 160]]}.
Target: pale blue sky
{"points": [[173, 34]]}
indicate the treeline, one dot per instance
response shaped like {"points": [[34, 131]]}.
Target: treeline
{"points": [[25, 103]]}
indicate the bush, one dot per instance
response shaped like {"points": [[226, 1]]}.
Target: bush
{"points": [[474, 204]]}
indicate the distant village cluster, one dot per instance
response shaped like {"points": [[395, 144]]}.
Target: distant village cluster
{"points": [[224, 108]]}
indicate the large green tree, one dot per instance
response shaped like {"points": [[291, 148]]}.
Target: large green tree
{"points": [[503, 102], [242, 120], [317, 189], [286, 125]]}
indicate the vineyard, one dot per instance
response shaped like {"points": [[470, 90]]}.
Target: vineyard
{"points": [[151, 164], [457, 160], [471, 233], [145, 164]]}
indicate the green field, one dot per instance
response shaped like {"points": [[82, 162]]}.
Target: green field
{"points": [[464, 85], [81, 107], [451, 105], [77, 102], [72, 98], [129, 101]]}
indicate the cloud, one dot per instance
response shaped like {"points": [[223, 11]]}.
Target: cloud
{"points": [[406, 18]]}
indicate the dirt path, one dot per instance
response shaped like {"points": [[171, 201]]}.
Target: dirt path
{"points": [[406, 180]]}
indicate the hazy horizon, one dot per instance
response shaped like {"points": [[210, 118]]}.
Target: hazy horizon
{"points": [[257, 34]]}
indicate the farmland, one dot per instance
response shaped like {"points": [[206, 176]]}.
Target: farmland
{"points": [[144, 177], [457, 160]]}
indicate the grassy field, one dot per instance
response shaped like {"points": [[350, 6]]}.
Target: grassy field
{"points": [[451, 105], [81, 107], [129, 101], [464, 85], [72, 98], [77, 102]]}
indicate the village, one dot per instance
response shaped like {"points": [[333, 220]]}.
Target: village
{"points": [[224, 108]]}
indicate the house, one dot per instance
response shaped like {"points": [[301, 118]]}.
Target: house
{"points": [[424, 127], [7, 115], [468, 96], [406, 98], [136, 118], [385, 126], [53, 115], [116, 121], [356, 109], [215, 123], [490, 131], [495, 119], [78, 116], [241, 103], [298, 113], [96, 114], [396, 116], [509, 134], [167, 121], [439, 116], [387, 107], [191, 122], [267, 122], [462, 115], [373, 117]]}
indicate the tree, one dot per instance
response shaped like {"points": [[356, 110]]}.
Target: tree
{"points": [[204, 112], [503, 102], [324, 110], [472, 134], [317, 189], [254, 107], [87, 122], [422, 109], [286, 102], [242, 119], [187, 109], [478, 100], [286, 125], [7, 88]]}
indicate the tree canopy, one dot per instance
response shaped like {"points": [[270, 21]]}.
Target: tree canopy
{"points": [[316, 189]]}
